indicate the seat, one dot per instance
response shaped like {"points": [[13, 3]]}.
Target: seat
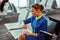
{"points": [[43, 2], [49, 34], [49, 4], [11, 13], [23, 12], [54, 5]]}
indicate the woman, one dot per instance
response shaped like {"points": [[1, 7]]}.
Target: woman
{"points": [[38, 22], [3, 7]]}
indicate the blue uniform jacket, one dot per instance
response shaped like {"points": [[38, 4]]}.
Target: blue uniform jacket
{"points": [[40, 24]]}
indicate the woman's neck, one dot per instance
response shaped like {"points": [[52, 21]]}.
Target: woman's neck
{"points": [[39, 14]]}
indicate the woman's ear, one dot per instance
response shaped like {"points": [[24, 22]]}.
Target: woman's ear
{"points": [[39, 10]]}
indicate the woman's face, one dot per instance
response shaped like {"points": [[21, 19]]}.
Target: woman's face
{"points": [[1, 1], [34, 11]]}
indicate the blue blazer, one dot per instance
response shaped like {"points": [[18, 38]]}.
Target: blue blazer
{"points": [[40, 24]]}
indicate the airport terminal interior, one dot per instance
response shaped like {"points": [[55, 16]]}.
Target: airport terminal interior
{"points": [[18, 10]]}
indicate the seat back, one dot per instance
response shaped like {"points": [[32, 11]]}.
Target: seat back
{"points": [[54, 5], [12, 14], [51, 26], [12, 7], [23, 15], [43, 2], [50, 29], [49, 4]]}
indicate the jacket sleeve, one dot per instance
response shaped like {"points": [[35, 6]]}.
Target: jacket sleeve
{"points": [[27, 20]]}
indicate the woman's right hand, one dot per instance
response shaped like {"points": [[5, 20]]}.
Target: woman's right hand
{"points": [[25, 26]]}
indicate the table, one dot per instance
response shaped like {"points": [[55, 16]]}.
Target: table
{"points": [[16, 32], [13, 25], [56, 18]]}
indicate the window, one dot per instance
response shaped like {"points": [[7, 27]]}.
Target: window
{"points": [[19, 3], [22, 3], [58, 3], [15, 2]]}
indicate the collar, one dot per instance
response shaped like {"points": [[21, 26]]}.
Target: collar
{"points": [[39, 17]]}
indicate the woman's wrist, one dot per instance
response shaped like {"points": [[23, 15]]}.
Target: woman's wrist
{"points": [[24, 25]]}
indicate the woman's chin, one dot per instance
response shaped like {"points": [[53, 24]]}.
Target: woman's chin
{"points": [[34, 15]]}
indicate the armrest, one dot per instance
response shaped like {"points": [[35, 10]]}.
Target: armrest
{"points": [[16, 28], [47, 33]]}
